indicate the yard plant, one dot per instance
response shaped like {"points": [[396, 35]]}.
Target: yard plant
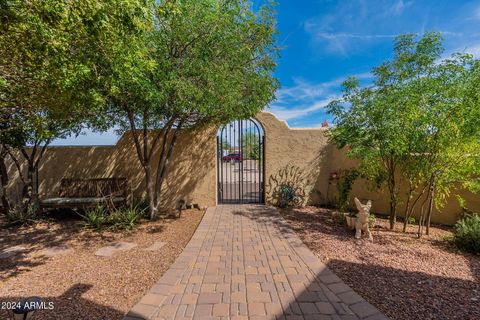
{"points": [[123, 218], [467, 233], [418, 123], [48, 86], [150, 68], [188, 64]]}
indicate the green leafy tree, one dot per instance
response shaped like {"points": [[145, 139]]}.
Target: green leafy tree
{"points": [[197, 63], [47, 80], [420, 119], [444, 140], [369, 123], [251, 146]]}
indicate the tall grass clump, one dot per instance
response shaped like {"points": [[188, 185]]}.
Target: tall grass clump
{"points": [[467, 233]]}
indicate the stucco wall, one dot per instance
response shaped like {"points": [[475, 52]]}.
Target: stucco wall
{"points": [[305, 157], [302, 157], [297, 156], [191, 175]]}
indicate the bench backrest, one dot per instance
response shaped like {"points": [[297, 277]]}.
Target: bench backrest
{"points": [[93, 188]]}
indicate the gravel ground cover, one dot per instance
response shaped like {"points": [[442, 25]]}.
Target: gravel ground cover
{"points": [[403, 276], [80, 284]]}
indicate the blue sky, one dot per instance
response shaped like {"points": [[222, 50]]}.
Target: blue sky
{"points": [[324, 41]]}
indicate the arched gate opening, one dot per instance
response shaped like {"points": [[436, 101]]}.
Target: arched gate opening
{"points": [[241, 159]]}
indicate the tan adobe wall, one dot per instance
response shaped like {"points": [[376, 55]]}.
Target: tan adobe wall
{"points": [[305, 157], [298, 156], [191, 176], [302, 157]]}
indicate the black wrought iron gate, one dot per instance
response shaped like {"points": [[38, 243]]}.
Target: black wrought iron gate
{"points": [[241, 158]]}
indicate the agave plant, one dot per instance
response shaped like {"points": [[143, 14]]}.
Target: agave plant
{"points": [[287, 195]]}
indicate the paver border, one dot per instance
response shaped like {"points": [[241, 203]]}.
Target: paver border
{"points": [[347, 299]]}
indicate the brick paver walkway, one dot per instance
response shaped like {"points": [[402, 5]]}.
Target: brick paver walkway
{"points": [[244, 262]]}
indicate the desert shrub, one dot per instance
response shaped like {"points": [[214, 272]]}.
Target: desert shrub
{"points": [[96, 218], [21, 215], [467, 233], [344, 188], [127, 218], [141, 204], [123, 218], [372, 220], [287, 196]]}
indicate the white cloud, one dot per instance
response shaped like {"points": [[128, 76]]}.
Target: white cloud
{"points": [[303, 90], [399, 6], [340, 35], [306, 91], [474, 50], [305, 98], [284, 113], [476, 13]]}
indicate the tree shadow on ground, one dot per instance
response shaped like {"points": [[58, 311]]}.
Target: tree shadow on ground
{"points": [[323, 222], [69, 305], [313, 291], [411, 295], [400, 294], [58, 229]]}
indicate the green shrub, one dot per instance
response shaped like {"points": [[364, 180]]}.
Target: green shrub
{"points": [[287, 196], [372, 220], [344, 188], [126, 218], [96, 218], [21, 215], [467, 233]]}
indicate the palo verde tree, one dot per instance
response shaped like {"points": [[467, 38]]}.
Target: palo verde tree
{"points": [[419, 118], [197, 63], [371, 120], [47, 81], [368, 124], [444, 140]]}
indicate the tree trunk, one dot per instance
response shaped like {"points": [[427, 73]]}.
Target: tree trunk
{"points": [[430, 206], [413, 205], [150, 192], [164, 161], [28, 189], [4, 181], [393, 200], [421, 220], [407, 205]]}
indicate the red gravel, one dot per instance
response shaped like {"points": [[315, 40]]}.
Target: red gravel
{"points": [[403, 276], [81, 285]]}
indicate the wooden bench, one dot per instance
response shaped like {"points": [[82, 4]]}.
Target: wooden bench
{"points": [[88, 193]]}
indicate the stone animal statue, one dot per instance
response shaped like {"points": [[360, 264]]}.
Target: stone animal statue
{"points": [[361, 224]]}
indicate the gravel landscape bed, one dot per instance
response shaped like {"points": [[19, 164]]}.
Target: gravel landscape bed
{"points": [[80, 284], [403, 276]]}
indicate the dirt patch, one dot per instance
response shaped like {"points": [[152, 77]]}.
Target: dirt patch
{"points": [[403, 276], [80, 284]]}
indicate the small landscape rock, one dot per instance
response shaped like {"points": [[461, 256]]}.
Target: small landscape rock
{"points": [[157, 245], [9, 252], [115, 247], [56, 250]]}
